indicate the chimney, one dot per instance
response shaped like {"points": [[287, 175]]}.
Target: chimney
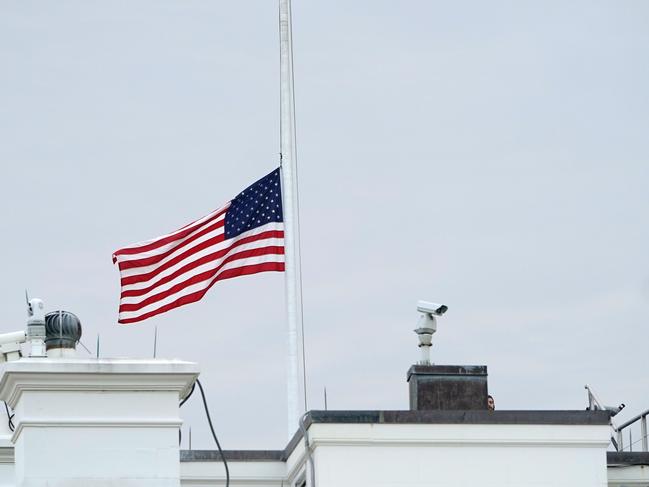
{"points": [[440, 387]]}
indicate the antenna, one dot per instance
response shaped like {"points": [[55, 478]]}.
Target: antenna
{"points": [[190, 437], [593, 401], [155, 342], [97, 345], [61, 325], [30, 311], [325, 397]]}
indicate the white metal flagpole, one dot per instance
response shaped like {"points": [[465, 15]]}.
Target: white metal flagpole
{"points": [[293, 274]]}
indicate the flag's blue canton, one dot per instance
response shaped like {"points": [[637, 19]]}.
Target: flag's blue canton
{"points": [[257, 205]]}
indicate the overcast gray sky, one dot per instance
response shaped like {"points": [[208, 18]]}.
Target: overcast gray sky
{"points": [[493, 156]]}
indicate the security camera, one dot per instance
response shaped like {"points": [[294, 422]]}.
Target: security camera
{"points": [[431, 308], [10, 345], [427, 326], [13, 337], [614, 409]]}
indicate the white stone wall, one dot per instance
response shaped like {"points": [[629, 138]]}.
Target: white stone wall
{"points": [[418, 455], [99, 423], [629, 476], [243, 474], [7, 468], [460, 455]]}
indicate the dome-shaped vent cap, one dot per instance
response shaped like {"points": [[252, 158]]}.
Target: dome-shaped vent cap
{"points": [[62, 330]]}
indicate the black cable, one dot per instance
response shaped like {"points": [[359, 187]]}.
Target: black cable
{"points": [[209, 420], [10, 418]]}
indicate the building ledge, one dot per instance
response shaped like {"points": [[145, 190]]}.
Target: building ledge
{"points": [[404, 417], [232, 455], [624, 459], [460, 417]]}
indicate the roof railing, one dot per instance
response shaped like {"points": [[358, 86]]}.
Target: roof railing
{"points": [[642, 417]]}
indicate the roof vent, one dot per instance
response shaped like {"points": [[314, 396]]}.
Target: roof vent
{"points": [[62, 333]]}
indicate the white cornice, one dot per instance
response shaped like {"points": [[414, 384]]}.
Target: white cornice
{"points": [[562, 436], [174, 423], [95, 375], [7, 455], [451, 442]]}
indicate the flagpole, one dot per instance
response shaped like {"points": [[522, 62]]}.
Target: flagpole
{"points": [[293, 273]]}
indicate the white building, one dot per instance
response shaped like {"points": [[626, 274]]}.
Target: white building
{"points": [[114, 422]]}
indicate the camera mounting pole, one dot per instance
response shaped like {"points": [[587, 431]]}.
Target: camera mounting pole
{"points": [[427, 326]]}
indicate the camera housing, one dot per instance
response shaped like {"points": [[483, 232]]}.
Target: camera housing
{"points": [[10, 345], [614, 409], [428, 307]]}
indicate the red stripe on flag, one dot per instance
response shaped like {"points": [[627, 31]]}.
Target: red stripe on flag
{"points": [[193, 297], [203, 276], [204, 245], [197, 263], [154, 259], [188, 229]]}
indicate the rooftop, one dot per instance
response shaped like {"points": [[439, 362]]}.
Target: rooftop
{"points": [[405, 417]]}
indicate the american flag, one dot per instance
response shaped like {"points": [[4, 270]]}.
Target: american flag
{"points": [[245, 236]]}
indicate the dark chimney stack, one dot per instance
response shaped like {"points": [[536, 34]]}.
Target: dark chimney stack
{"points": [[443, 387]]}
